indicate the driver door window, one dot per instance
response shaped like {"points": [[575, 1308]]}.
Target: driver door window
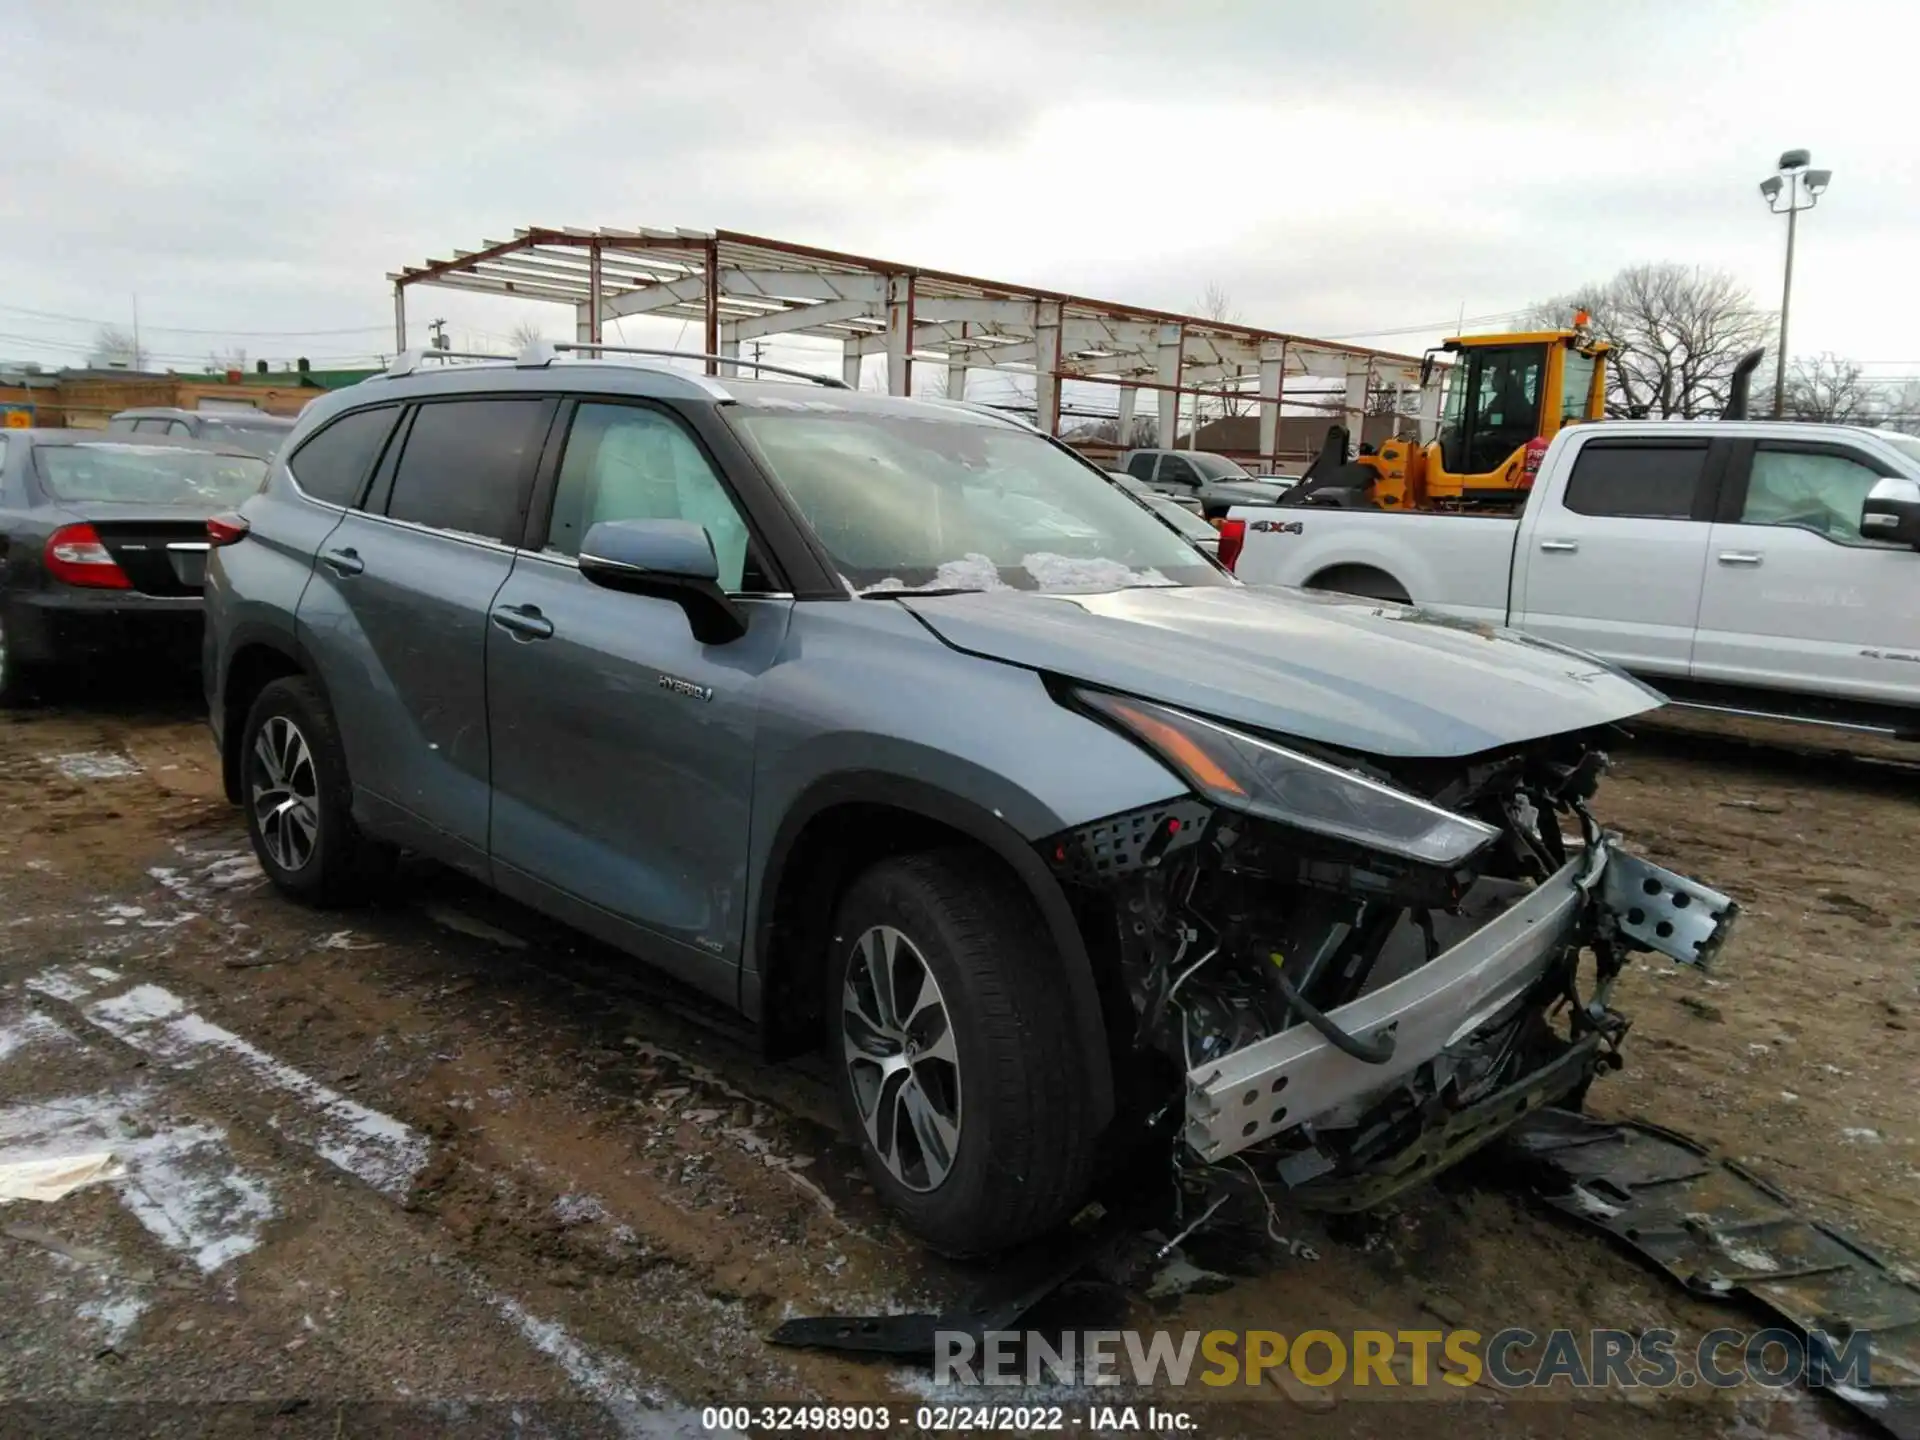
{"points": [[1821, 491], [626, 462]]}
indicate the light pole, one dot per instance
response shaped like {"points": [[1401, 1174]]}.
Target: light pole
{"points": [[1793, 181]]}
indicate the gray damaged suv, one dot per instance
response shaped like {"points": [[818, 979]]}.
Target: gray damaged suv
{"points": [[902, 729]]}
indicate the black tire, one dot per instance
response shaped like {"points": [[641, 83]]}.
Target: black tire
{"points": [[339, 864], [1025, 1148]]}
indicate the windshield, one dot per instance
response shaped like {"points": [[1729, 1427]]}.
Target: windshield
{"points": [[146, 474], [1216, 467], [915, 502]]}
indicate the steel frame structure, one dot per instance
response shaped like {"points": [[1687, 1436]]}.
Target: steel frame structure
{"points": [[743, 288]]}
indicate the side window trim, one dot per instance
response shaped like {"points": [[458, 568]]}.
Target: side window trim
{"points": [[540, 509], [371, 498]]}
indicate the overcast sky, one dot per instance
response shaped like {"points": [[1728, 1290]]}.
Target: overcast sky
{"points": [[1338, 169]]}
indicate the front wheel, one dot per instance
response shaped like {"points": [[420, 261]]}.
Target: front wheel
{"points": [[958, 1068], [299, 802]]}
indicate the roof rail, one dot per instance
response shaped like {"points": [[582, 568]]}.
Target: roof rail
{"points": [[531, 356], [408, 361]]}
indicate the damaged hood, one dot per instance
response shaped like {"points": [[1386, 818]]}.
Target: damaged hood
{"points": [[1359, 674]]}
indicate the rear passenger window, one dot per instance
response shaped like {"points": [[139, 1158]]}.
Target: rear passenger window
{"points": [[120, 425], [150, 427], [1650, 482], [332, 465], [468, 465]]}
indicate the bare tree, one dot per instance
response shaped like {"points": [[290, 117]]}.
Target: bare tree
{"points": [[1217, 305], [1903, 408], [526, 335], [1832, 391], [221, 361], [1677, 332], [115, 349]]}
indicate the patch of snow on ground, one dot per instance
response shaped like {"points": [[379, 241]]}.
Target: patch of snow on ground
{"points": [[181, 1181], [93, 765], [372, 1147], [29, 1028], [70, 983]]}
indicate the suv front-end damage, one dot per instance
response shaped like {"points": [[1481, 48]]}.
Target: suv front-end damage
{"points": [[1353, 972]]}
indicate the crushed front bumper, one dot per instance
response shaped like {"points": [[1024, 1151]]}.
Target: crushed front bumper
{"points": [[1298, 1076]]}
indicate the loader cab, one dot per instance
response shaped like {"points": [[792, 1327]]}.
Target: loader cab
{"points": [[1503, 393]]}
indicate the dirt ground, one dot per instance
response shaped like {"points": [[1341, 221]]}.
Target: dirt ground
{"points": [[439, 1163]]}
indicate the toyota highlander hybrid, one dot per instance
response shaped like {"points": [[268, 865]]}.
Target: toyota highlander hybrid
{"points": [[900, 728]]}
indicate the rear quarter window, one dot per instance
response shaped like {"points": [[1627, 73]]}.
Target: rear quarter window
{"points": [[332, 465], [1649, 482]]}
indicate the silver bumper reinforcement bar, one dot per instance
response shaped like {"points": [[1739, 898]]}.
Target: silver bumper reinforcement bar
{"points": [[1275, 1084]]}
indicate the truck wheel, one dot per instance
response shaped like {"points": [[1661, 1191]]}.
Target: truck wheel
{"points": [[293, 782], [957, 1069]]}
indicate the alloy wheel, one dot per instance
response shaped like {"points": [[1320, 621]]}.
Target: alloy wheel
{"points": [[901, 1059], [286, 793]]}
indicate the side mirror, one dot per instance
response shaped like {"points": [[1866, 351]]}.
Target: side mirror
{"points": [[669, 560], [1892, 512]]}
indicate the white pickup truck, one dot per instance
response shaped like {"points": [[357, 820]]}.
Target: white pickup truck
{"points": [[1757, 567]]}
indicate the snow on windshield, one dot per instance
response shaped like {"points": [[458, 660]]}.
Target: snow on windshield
{"points": [[1049, 572]]}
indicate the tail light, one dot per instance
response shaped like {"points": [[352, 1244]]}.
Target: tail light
{"points": [[1530, 461], [75, 556], [1233, 535], [228, 529]]}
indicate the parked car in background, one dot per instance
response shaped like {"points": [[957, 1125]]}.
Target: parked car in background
{"points": [[1214, 482], [773, 689], [103, 544], [1752, 566], [1182, 514], [259, 432]]}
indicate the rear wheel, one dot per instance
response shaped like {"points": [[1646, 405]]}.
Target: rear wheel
{"points": [[957, 1067], [298, 798]]}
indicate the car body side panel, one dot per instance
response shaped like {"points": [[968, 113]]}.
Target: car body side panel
{"points": [[401, 648], [635, 794]]}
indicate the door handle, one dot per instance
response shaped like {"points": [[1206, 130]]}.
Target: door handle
{"points": [[344, 562], [1563, 547], [524, 622], [1740, 557]]}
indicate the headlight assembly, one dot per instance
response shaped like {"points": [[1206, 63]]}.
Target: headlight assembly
{"points": [[1243, 772]]}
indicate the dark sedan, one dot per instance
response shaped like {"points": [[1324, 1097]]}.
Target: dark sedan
{"points": [[103, 544]]}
